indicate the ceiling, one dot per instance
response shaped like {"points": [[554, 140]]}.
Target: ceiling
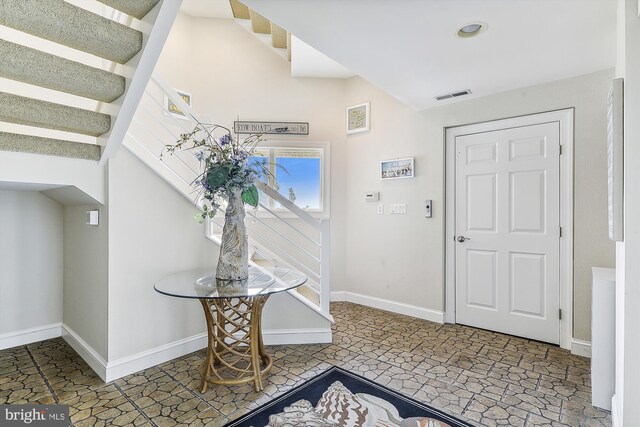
{"points": [[409, 48]]}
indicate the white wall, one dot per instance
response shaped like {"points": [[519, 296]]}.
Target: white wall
{"points": [[232, 75], [626, 409], [401, 257], [86, 276], [153, 233], [31, 262]]}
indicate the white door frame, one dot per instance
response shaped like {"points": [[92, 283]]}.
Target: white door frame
{"points": [[565, 120]]}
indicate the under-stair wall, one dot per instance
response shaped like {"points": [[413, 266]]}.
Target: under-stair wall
{"points": [[31, 267]]}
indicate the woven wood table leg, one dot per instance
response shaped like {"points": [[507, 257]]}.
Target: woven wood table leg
{"points": [[235, 351], [207, 365]]}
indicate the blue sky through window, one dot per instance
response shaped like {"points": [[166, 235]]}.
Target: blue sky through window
{"points": [[303, 177], [303, 174]]}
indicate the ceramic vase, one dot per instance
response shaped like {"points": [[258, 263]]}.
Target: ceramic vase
{"points": [[233, 263]]}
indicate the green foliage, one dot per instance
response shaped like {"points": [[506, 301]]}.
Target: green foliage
{"points": [[250, 196], [224, 161], [217, 175]]}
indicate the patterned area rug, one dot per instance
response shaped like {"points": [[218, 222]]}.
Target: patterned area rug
{"points": [[338, 398]]}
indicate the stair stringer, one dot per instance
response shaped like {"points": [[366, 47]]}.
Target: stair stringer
{"points": [[54, 172]]}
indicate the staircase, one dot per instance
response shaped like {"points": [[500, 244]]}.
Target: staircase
{"points": [[289, 237], [270, 33], [72, 72]]}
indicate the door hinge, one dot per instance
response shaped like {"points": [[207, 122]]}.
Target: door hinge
{"points": [[560, 313], [561, 150], [560, 231]]}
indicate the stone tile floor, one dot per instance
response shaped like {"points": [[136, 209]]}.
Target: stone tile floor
{"points": [[485, 378]]}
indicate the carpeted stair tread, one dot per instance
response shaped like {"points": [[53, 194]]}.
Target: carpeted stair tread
{"points": [[48, 146], [33, 112], [42, 69], [64, 23], [138, 8]]}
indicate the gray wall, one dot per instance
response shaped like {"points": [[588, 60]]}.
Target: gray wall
{"points": [[31, 263], [86, 276]]}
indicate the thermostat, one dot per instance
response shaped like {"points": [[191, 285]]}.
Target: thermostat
{"points": [[372, 196]]}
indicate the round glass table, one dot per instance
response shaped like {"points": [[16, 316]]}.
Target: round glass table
{"points": [[233, 312]]}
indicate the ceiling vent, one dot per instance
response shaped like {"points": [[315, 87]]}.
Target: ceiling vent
{"points": [[453, 95]]}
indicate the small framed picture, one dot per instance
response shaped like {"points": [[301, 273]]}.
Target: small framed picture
{"points": [[398, 168], [170, 108], [358, 118]]}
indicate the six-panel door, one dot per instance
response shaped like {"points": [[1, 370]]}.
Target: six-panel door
{"points": [[508, 211]]}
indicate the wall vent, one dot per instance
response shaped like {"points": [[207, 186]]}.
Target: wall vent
{"points": [[453, 95]]}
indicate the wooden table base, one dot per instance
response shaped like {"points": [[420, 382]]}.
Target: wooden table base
{"points": [[235, 352]]}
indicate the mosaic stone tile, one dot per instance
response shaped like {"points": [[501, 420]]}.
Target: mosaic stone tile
{"points": [[23, 385], [208, 418], [160, 398], [14, 359], [448, 398], [488, 412], [72, 379], [104, 406], [482, 377]]}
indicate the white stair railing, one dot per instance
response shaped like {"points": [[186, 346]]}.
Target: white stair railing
{"points": [[284, 237]]}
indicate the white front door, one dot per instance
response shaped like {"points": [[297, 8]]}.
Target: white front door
{"points": [[507, 226]]}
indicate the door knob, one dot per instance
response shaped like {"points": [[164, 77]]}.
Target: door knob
{"points": [[461, 239]]}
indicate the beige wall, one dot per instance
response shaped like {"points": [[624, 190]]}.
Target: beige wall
{"points": [[400, 258], [234, 75], [85, 276], [405, 253]]}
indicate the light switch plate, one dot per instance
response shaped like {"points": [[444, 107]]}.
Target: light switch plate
{"points": [[398, 208], [380, 209]]}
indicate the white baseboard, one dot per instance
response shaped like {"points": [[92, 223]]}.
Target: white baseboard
{"points": [[88, 353], [615, 417], [155, 356], [297, 336], [581, 348], [338, 296], [27, 336], [392, 306], [119, 368]]}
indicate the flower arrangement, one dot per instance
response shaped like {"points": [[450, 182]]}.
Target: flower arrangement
{"points": [[226, 166]]}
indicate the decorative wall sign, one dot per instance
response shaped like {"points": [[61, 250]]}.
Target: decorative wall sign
{"points": [[398, 168], [358, 118], [172, 109], [272, 128]]}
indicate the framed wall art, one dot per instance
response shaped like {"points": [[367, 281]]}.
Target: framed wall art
{"points": [[397, 168], [170, 108], [358, 118]]}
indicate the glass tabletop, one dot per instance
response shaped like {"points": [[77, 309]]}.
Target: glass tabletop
{"points": [[203, 283]]}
